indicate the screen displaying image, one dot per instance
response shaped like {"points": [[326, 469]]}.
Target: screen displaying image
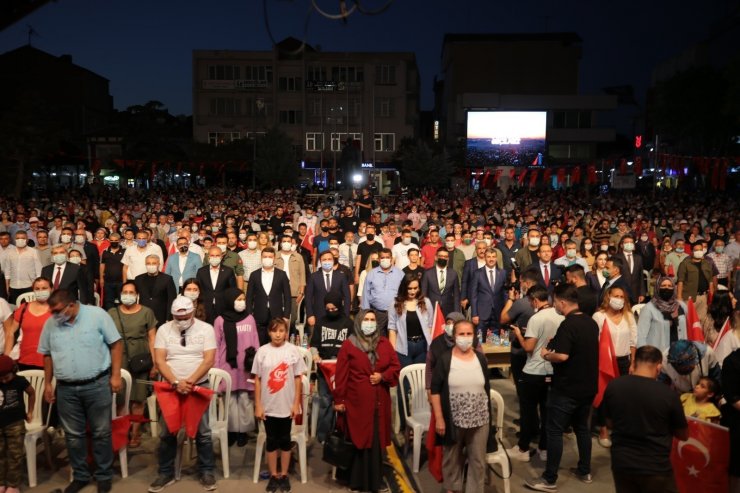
{"points": [[506, 138]]}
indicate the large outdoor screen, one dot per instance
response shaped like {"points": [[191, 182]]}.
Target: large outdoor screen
{"points": [[506, 138]]}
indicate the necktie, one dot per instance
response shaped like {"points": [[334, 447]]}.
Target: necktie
{"points": [[629, 262], [351, 260], [547, 275], [328, 283], [442, 281], [491, 277], [58, 278]]}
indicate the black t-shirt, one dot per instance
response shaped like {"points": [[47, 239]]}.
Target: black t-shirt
{"points": [[644, 413], [349, 224], [578, 337], [12, 407], [364, 212], [588, 300], [364, 250], [113, 265], [328, 335], [413, 325], [419, 271]]}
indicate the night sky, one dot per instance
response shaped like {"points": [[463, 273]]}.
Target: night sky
{"points": [[145, 47]]}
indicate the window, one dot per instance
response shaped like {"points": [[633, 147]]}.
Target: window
{"points": [[291, 117], [220, 138], [258, 72], [226, 106], [385, 74], [355, 107], [224, 72], [315, 106], [316, 73], [571, 119], [347, 74], [385, 142], [339, 139], [384, 107], [291, 84], [314, 141], [254, 135]]}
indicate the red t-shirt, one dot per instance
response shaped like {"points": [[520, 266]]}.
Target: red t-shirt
{"points": [[32, 327]]}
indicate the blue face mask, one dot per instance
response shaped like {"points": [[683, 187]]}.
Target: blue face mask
{"points": [[327, 266], [141, 243]]}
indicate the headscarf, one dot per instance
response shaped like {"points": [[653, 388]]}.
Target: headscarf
{"points": [[231, 317], [366, 344], [666, 307]]}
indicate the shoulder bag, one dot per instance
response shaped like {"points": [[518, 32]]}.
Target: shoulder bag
{"points": [[138, 363]]}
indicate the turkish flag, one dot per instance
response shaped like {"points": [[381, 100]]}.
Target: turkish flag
{"points": [[521, 177], [726, 342], [533, 178], [608, 369], [561, 176], [592, 174], [546, 176], [439, 321], [307, 242], [638, 166], [497, 175], [693, 324], [434, 452], [701, 462], [575, 176], [328, 368], [512, 173], [180, 410]]}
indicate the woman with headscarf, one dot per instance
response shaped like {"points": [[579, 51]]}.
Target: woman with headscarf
{"points": [[663, 320], [367, 367], [236, 332]]}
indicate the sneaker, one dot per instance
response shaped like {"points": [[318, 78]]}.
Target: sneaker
{"points": [[241, 439], [104, 486], [542, 454], [540, 484], [75, 486], [208, 481], [605, 442], [284, 484], [161, 483], [585, 478], [272, 485], [517, 454]]}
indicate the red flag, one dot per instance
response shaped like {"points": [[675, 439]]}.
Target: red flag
{"points": [[497, 174], [638, 166], [434, 452], [307, 242], [485, 178], [512, 173], [521, 177], [546, 176], [608, 369], [328, 368], [575, 176], [701, 462], [439, 321], [533, 178], [561, 176], [726, 342], [693, 324], [196, 403], [180, 410], [591, 174], [622, 166]]}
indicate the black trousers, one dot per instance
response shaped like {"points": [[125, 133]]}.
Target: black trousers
{"points": [[644, 483], [533, 391]]}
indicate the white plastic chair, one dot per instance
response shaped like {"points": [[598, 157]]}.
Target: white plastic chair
{"points": [[636, 310], [417, 412], [97, 299], [151, 403], [307, 358], [123, 453], [39, 424], [25, 298], [499, 457], [298, 434]]}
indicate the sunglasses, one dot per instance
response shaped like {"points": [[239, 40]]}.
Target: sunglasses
{"points": [[182, 338]]}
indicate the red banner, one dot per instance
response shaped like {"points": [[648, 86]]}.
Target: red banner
{"points": [[180, 410], [575, 175], [328, 368], [638, 166], [561, 176], [701, 462], [307, 242], [533, 178], [608, 368], [521, 177], [591, 174]]}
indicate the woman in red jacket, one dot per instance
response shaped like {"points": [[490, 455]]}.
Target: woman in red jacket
{"points": [[367, 367]]}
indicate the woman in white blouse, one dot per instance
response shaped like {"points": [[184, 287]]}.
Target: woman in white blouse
{"points": [[616, 311]]}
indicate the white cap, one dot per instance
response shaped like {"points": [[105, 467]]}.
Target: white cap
{"points": [[182, 306]]}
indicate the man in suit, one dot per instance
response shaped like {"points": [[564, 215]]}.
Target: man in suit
{"points": [[294, 267], [268, 294], [321, 282], [69, 276], [440, 284], [487, 294], [616, 268], [92, 256], [633, 269], [156, 290], [183, 265], [214, 279], [548, 273], [469, 269]]}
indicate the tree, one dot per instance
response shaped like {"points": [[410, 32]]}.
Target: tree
{"points": [[420, 166], [277, 165]]}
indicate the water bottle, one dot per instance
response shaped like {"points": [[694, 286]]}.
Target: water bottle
{"points": [[496, 339], [505, 337], [480, 337]]}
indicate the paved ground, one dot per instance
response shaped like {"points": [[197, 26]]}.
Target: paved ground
{"points": [[142, 468]]}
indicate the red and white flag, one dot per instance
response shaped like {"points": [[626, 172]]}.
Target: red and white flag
{"points": [[328, 368], [725, 343], [439, 321], [693, 324], [307, 242], [701, 462], [608, 368]]}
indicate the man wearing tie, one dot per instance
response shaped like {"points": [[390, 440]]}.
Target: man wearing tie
{"points": [[66, 275], [268, 294], [440, 284], [549, 274], [487, 295], [633, 269], [325, 280]]}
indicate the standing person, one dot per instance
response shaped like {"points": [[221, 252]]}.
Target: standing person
{"points": [[462, 412], [191, 290], [156, 290], [365, 205], [470, 269], [134, 258], [214, 279], [111, 271], [13, 418], [574, 354], [277, 371], [184, 352], [21, 266], [731, 413], [487, 295], [325, 280], [67, 275], [663, 320], [184, 264], [696, 279], [442, 343], [236, 333], [410, 323], [414, 263], [83, 385], [43, 248], [367, 368], [294, 267], [644, 416], [29, 319], [633, 267], [440, 284], [595, 277], [137, 325], [381, 288], [366, 248], [269, 294]]}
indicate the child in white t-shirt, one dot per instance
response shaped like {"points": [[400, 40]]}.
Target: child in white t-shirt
{"points": [[277, 371]]}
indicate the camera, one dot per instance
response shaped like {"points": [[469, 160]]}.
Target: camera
{"points": [[509, 284]]}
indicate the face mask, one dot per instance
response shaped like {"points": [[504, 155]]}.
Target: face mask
{"points": [[252, 245], [679, 250], [286, 246], [385, 263], [222, 248], [59, 258], [268, 262], [152, 269], [214, 261], [42, 295], [606, 274], [628, 247], [368, 327], [644, 238], [442, 263], [570, 253], [699, 254], [65, 238], [588, 246], [293, 247], [194, 228], [488, 241], [665, 293], [450, 244], [467, 241], [370, 237], [332, 314], [152, 225], [719, 249], [184, 249], [604, 248], [61, 318], [114, 244], [327, 266], [193, 295], [183, 325], [406, 241], [242, 236], [75, 260], [616, 303], [324, 228], [535, 242], [449, 328], [128, 299], [20, 243], [464, 343], [141, 243], [240, 305], [215, 229], [613, 225], [374, 263]]}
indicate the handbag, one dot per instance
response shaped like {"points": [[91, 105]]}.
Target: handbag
{"points": [[249, 355], [138, 363], [339, 451]]}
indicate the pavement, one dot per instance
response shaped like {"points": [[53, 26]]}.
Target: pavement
{"points": [[142, 465]]}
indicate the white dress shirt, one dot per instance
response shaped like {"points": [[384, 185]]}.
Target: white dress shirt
{"points": [[267, 278], [21, 266]]}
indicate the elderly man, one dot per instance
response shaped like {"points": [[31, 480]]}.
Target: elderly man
{"points": [[66, 275], [83, 384], [214, 279], [21, 266], [134, 259], [156, 289], [184, 352]]}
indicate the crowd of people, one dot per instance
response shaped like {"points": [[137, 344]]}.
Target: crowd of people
{"points": [[167, 285]]}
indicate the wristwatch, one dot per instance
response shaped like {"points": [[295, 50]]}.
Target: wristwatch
{"points": [[175, 384]]}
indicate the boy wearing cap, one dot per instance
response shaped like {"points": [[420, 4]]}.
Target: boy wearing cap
{"points": [[12, 427]]}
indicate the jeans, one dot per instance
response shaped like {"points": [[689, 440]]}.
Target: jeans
{"points": [[416, 353], [80, 406], [111, 290], [326, 411], [203, 445], [562, 411], [532, 395], [11, 454]]}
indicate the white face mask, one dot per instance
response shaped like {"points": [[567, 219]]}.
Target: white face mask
{"points": [[243, 236], [286, 246], [75, 260], [616, 303], [20, 243], [183, 325], [629, 247], [65, 238], [698, 253], [222, 248], [214, 261], [193, 295], [59, 258], [464, 343], [406, 241], [128, 299], [449, 328], [251, 245], [368, 327], [152, 225], [588, 246], [385, 263], [535, 242], [152, 268], [268, 262], [42, 294], [240, 305], [80, 239], [604, 248]]}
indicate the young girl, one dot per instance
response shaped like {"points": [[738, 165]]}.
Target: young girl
{"points": [[277, 371], [700, 402], [12, 426]]}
